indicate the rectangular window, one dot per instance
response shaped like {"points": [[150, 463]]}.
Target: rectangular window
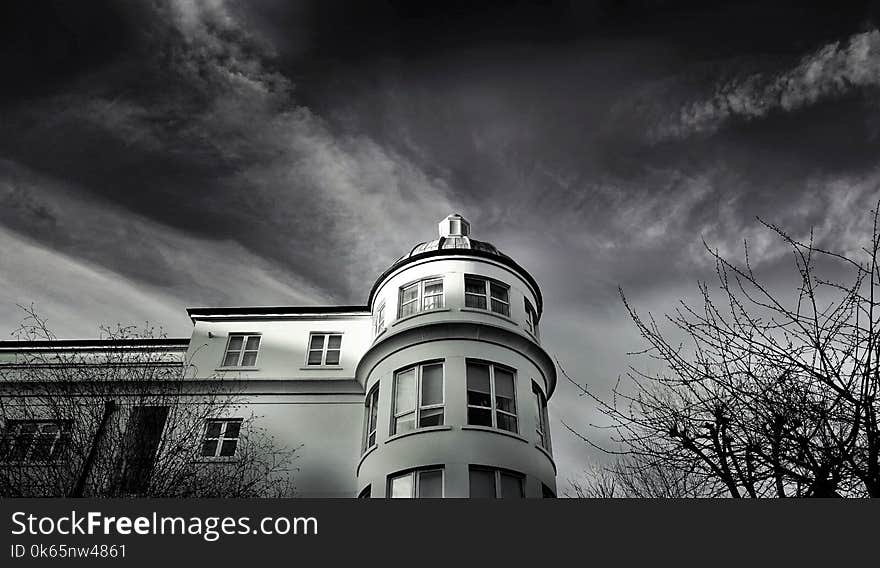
{"points": [[379, 320], [490, 483], [241, 350], [221, 438], [371, 413], [34, 440], [482, 293], [491, 396], [419, 483], [418, 398], [542, 423], [531, 318], [419, 296], [324, 349]]}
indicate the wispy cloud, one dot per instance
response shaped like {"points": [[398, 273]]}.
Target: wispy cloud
{"points": [[833, 70]]}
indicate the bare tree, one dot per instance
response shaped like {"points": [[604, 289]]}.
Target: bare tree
{"points": [[769, 394], [127, 418]]}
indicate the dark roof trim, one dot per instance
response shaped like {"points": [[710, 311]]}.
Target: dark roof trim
{"points": [[274, 310], [96, 343], [503, 259]]}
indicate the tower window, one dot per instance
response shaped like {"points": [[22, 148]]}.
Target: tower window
{"points": [[542, 423], [242, 350], [324, 349], [491, 483], [418, 398], [491, 396], [531, 318], [419, 483], [379, 320], [421, 296], [371, 414], [483, 294]]}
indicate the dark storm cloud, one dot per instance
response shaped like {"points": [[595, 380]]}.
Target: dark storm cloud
{"points": [[195, 152]]}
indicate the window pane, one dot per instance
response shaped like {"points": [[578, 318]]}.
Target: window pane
{"points": [[232, 429], [209, 448], [332, 357], [432, 302], [482, 484], [235, 342], [405, 391], [317, 341], [504, 397], [402, 486], [511, 486], [479, 391], [471, 301], [409, 293], [335, 342], [432, 384], [249, 359], [408, 309], [500, 308], [231, 359], [507, 422], [431, 417], [253, 343], [315, 357], [479, 416], [43, 446], [213, 429], [374, 410], [474, 286], [228, 448], [433, 287], [431, 484], [498, 291], [405, 423]]}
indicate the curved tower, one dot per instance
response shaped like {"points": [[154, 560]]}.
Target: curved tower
{"points": [[456, 378]]}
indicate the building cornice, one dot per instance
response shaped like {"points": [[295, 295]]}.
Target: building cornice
{"points": [[272, 312]]}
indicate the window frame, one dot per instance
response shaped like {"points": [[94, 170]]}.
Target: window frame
{"points": [[416, 475], [492, 394], [486, 295], [420, 297], [246, 336], [418, 406], [371, 402], [11, 440], [498, 473], [325, 349], [531, 318], [379, 320], [542, 424], [221, 438]]}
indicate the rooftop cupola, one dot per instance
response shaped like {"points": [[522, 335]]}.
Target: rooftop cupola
{"points": [[455, 226]]}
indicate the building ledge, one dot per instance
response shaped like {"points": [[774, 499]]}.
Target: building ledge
{"points": [[322, 368], [496, 431], [417, 431], [508, 319], [549, 457], [417, 314], [372, 449]]}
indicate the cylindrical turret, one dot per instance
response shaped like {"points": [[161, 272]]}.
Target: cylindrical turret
{"points": [[456, 378]]}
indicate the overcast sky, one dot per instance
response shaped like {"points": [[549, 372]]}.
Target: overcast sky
{"points": [[167, 154]]}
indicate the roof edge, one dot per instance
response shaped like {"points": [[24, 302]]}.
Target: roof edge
{"points": [[194, 313]]}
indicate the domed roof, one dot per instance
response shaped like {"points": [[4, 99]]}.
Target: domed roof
{"points": [[455, 239], [456, 242], [454, 231]]}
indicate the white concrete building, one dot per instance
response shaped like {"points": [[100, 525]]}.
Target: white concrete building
{"points": [[437, 387]]}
